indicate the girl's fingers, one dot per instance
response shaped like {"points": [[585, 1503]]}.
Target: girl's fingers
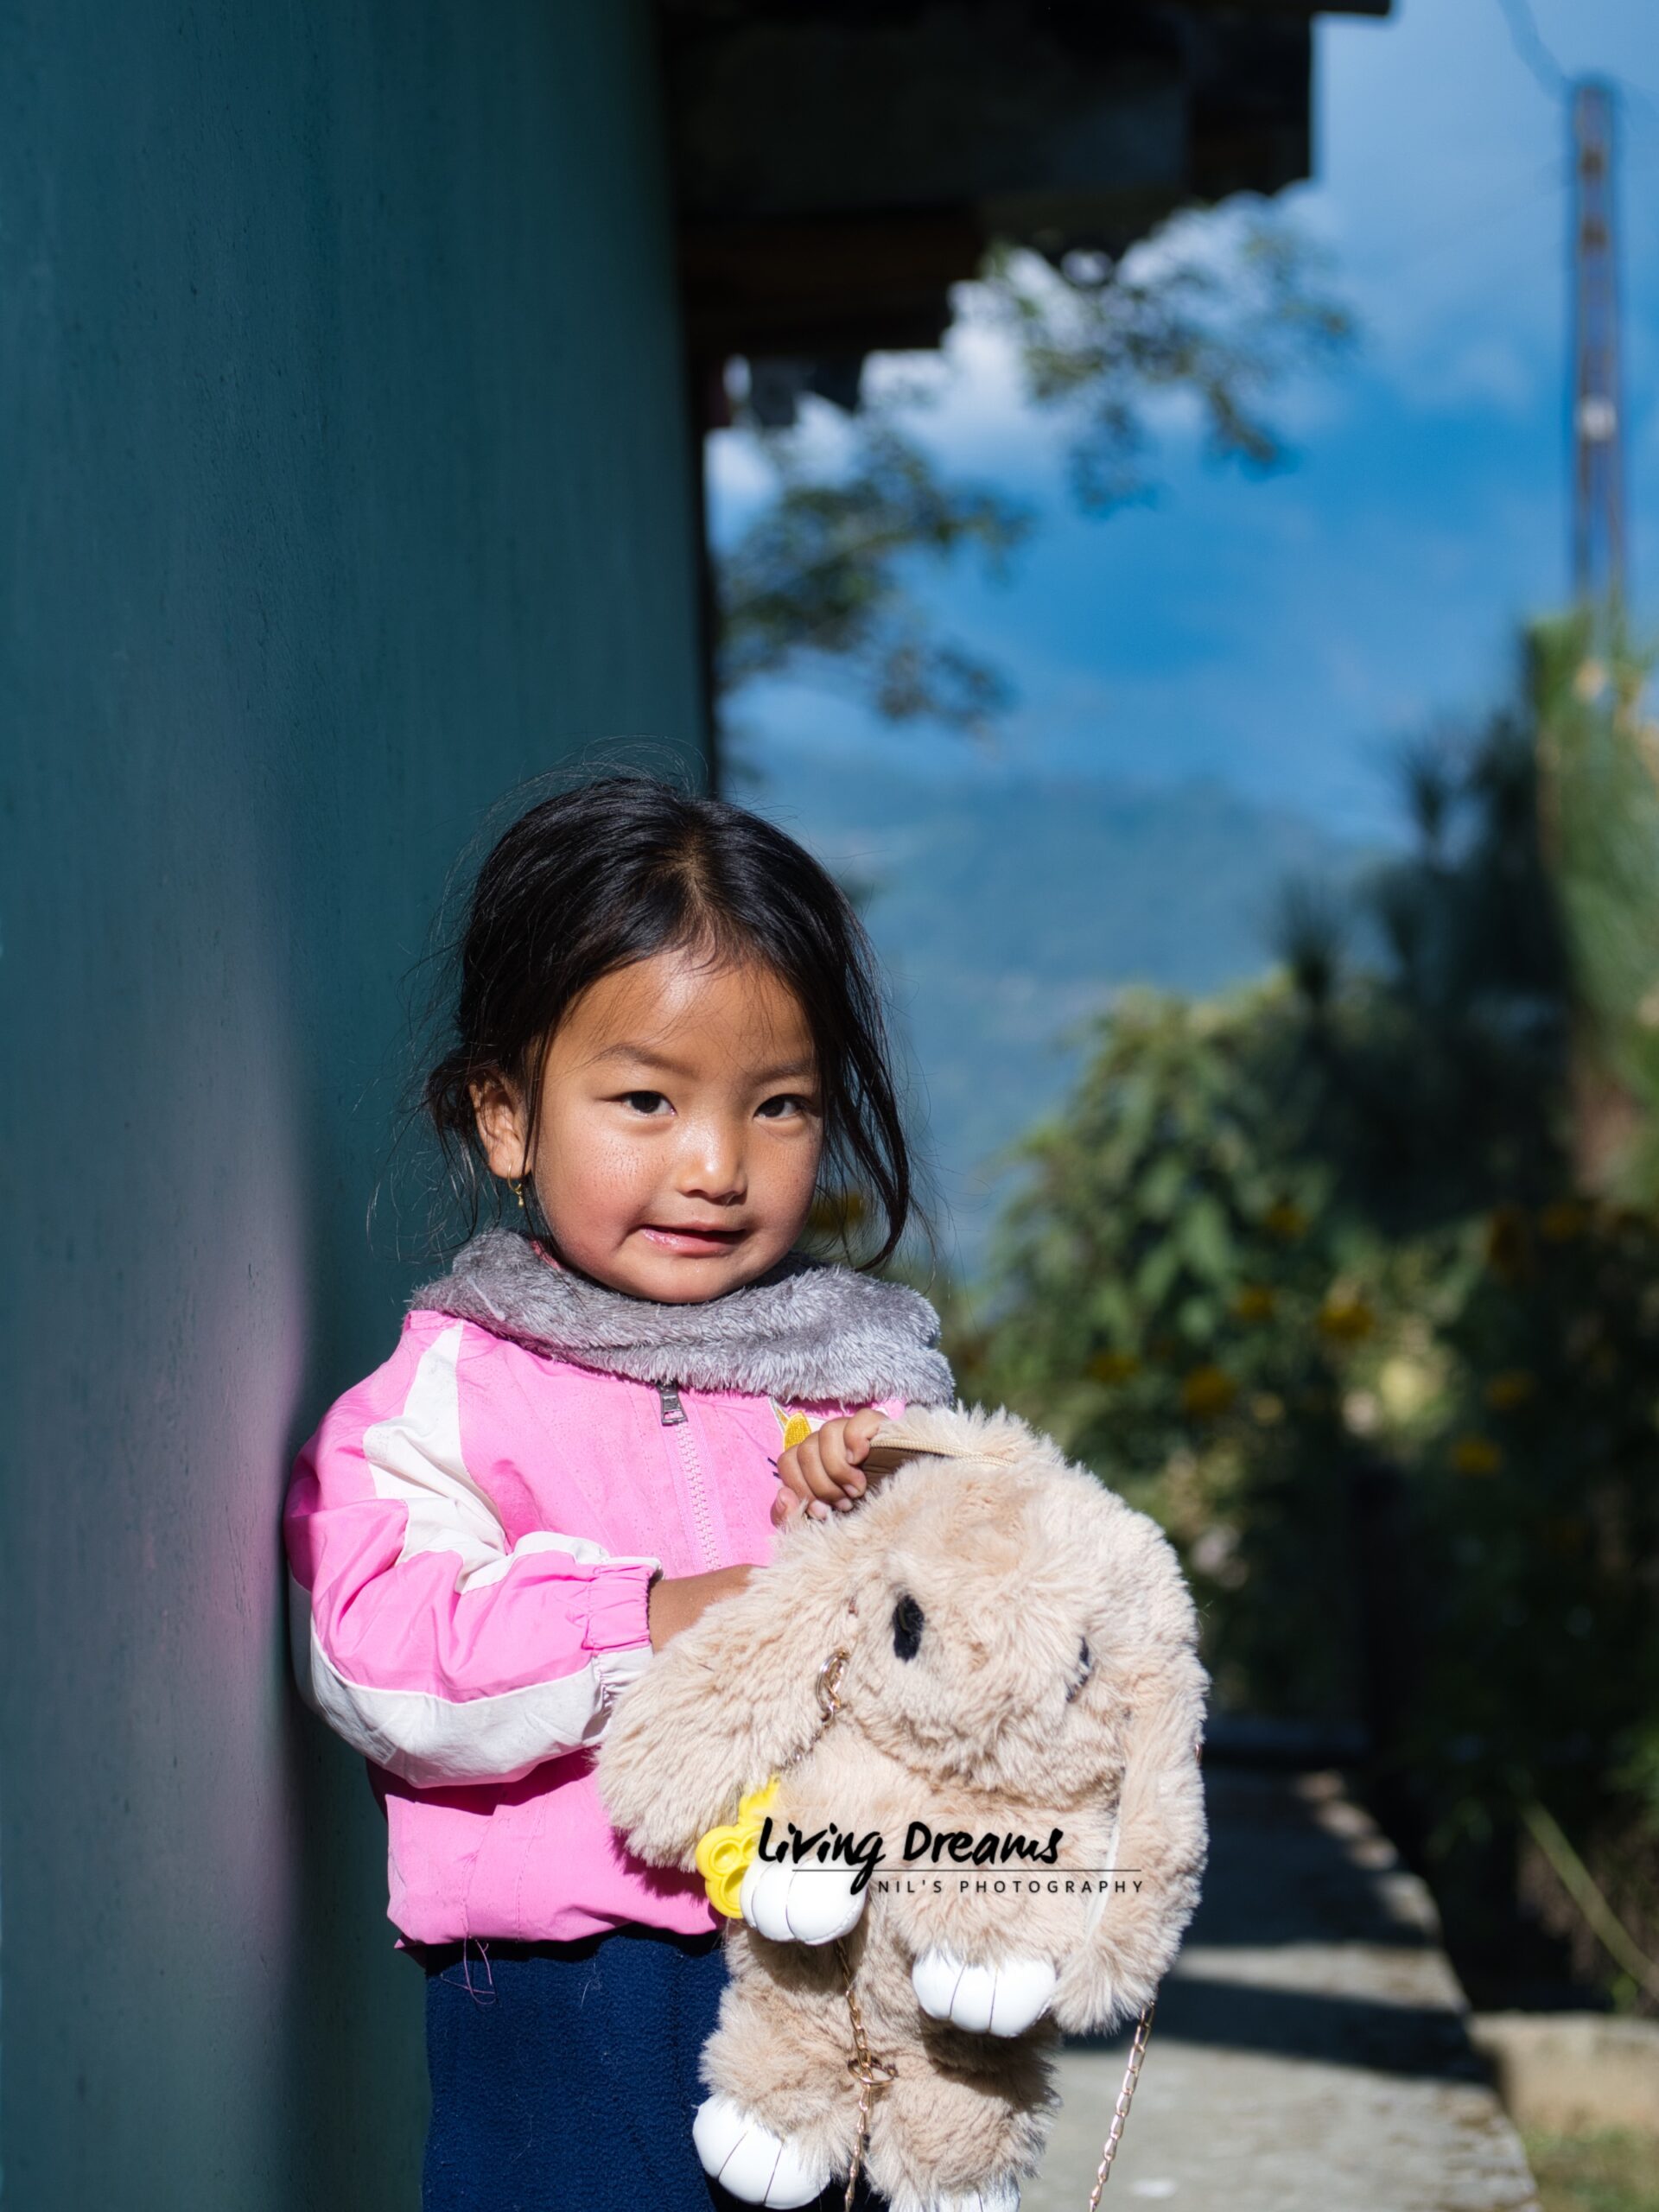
{"points": [[790, 1504], [837, 1462], [820, 1474], [851, 1444], [824, 1469], [859, 1432], [831, 1457], [833, 1440], [802, 1468]]}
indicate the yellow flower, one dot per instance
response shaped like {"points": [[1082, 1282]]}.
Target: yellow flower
{"points": [[1206, 1391], [724, 1853], [1476, 1455], [1405, 1386], [1560, 1222], [1345, 1317], [1113, 1366], [1253, 1301], [1504, 1392], [1284, 1219], [1268, 1407]]}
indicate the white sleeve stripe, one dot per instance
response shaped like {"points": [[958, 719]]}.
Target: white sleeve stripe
{"points": [[414, 1457], [581, 1548], [431, 1740]]}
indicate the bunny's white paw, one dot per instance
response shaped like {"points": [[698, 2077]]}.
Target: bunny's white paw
{"points": [[743, 2155], [993, 2196], [1000, 2001], [800, 1904]]}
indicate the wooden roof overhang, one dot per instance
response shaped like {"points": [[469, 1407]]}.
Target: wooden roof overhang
{"points": [[839, 164]]}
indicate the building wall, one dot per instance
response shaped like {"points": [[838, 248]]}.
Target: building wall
{"points": [[346, 484]]}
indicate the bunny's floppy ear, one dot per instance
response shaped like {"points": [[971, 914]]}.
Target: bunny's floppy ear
{"points": [[953, 1432], [721, 1707], [1162, 1842]]}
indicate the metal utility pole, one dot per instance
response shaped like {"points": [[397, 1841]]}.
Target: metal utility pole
{"points": [[1597, 413]]}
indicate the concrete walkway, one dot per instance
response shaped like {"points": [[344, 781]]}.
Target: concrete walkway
{"points": [[1309, 2052]]}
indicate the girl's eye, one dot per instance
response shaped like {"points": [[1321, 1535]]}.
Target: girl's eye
{"points": [[644, 1102], [786, 1102]]}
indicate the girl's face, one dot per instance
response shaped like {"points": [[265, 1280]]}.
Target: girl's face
{"points": [[679, 1128]]}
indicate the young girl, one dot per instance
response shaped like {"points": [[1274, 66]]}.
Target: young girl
{"points": [[668, 1040]]}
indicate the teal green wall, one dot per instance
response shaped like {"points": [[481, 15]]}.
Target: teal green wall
{"points": [[344, 483]]}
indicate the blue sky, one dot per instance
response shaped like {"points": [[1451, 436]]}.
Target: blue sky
{"points": [[1277, 634]]}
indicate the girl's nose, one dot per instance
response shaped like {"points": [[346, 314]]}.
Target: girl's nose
{"points": [[711, 1164]]}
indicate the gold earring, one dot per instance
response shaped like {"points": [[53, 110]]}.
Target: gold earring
{"points": [[515, 1185]]}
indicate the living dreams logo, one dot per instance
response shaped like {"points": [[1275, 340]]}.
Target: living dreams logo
{"points": [[925, 1848]]}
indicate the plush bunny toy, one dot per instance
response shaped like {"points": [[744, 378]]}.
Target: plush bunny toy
{"points": [[1005, 1821]]}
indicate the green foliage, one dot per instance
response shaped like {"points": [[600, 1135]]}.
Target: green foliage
{"points": [[1601, 760], [1221, 316], [1603, 2170], [1325, 1231], [819, 574], [820, 579], [1171, 1301], [1538, 1492]]}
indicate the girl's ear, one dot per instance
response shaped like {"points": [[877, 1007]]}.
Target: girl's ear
{"points": [[501, 1131], [722, 1707]]}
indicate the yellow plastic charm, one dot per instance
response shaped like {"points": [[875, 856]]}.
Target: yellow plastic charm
{"points": [[724, 1853]]}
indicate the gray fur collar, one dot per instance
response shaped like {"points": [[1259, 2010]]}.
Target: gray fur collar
{"points": [[803, 1333]]}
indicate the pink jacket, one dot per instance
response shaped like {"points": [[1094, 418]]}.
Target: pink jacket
{"points": [[472, 1530]]}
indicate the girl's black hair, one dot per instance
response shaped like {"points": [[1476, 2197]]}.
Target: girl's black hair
{"points": [[624, 867]]}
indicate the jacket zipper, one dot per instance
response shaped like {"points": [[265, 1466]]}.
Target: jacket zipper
{"points": [[674, 1417]]}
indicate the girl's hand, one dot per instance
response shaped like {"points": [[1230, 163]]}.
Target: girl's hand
{"points": [[673, 1604], [822, 1472]]}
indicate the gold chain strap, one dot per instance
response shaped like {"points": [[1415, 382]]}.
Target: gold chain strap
{"points": [[872, 2070], [829, 1676], [1120, 2110]]}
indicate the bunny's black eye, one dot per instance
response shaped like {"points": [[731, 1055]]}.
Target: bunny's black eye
{"points": [[907, 1627], [1085, 1667]]}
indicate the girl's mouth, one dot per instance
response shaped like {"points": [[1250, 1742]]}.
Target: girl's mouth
{"points": [[695, 1243]]}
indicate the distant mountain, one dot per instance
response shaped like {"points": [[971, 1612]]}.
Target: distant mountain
{"points": [[1008, 911]]}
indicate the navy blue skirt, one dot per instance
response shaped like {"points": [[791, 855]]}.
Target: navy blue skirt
{"points": [[564, 2075]]}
